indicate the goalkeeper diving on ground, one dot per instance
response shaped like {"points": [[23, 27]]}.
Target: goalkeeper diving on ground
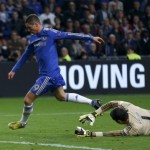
{"points": [[136, 119]]}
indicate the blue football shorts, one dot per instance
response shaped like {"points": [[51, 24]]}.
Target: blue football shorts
{"points": [[45, 83]]}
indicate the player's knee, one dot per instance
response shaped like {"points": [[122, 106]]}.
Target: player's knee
{"points": [[60, 98], [27, 101]]}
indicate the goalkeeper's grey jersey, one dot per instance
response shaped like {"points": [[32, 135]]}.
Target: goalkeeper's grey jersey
{"points": [[139, 119]]}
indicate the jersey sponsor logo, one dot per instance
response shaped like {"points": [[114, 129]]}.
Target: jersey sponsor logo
{"points": [[40, 43]]}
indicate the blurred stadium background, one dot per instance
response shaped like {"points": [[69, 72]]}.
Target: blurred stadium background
{"points": [[117, 69]]}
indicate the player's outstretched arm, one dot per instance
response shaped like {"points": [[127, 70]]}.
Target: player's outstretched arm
{"points": [[81, 132], [57, 35], [98, 40], [11, 75], [110, 133]]}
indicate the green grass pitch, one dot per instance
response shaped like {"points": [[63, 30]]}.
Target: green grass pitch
{"points": [[52, 124]]}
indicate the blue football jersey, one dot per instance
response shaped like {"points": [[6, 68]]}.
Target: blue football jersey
{"points": [[43, 45]]}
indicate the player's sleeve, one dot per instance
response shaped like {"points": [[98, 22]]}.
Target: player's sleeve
{"points": [[124, 104], [27, 53], [57, 35], [109, 105], [131, 131]]}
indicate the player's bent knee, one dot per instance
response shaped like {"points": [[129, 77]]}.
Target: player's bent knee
{"points": [[27, 101], [60, 98], [29, 98]]}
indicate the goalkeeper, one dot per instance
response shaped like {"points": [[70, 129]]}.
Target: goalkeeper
{"points": [[136, 119]]}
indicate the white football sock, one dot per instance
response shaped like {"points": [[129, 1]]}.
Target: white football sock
{"points": [[27, 110], [73, 97]]}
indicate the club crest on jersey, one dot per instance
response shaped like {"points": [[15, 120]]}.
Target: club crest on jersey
{"points": [[44, 38], [36, 87]]}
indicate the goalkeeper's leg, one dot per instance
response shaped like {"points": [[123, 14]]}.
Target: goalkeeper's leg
{"points": [[27, 110]]}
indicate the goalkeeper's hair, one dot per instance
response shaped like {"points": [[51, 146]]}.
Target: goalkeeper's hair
{"points": [[33, 19], [119, 114]]}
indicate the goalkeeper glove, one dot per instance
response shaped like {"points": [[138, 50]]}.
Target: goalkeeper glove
{"points": [[88, 117], [80, 132]]}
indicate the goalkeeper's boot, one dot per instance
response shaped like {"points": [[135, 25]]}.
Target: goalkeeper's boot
{"points": [[16, 125], [97, 103]]}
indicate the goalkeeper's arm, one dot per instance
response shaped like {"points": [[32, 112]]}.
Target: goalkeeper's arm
{"points": [[91, 117], [107, 106], [81, 132], [110, 133]]}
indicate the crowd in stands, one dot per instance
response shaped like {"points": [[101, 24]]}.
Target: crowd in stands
{"points": [[123, 24]]}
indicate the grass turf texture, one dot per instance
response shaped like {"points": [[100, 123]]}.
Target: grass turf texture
{"points": [[54, 122]]}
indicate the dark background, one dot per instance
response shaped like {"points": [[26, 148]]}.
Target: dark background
{"points": [[27, 75]]}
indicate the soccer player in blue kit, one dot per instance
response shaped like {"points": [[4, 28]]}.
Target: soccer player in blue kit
{"points": [[42, 44]]}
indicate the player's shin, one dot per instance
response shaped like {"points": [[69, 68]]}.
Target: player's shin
{"points": [[27, 110], [73, 97]]}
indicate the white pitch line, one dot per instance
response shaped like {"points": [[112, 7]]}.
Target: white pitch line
{"points": [[48, 114], [53, 145]]}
